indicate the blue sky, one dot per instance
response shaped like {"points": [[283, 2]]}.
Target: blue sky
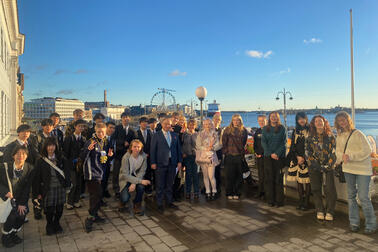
{"points": [[242, 51]]}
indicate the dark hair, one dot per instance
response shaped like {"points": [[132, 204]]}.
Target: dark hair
{"points": [[98, 116], [23, 128], [18, 148], [279, 125], [327, 129], [125, 114], [110, 123], [152, 120], [161, 115], [80, 121], [47, 122], [297, 117], [54, 114], [49, 141], [174, 114], [77, 111], [143, 119]]}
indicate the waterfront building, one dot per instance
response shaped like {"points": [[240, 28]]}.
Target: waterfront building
{"points": [[113, 112], [12, 44], [41, 108]]}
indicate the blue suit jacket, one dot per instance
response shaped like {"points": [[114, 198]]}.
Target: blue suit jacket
{"points": [[160, 150]]}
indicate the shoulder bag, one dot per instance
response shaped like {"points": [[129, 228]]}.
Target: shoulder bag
{"points": [[339, 168], [6, 206]]}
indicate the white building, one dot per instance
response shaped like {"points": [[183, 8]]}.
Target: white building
{"points": [[12, 44], [42, 108], [113, 112]]}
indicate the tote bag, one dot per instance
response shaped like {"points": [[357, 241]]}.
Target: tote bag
{"points": [[6, 206]]}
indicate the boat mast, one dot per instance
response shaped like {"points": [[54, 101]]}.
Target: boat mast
{"points": [[352, 69]]}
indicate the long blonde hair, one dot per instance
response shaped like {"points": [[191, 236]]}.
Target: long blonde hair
{"points": [[347, 117], [232, 127]]}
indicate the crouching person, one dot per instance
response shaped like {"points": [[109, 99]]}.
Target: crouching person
{"points": [[15, 183], [133, 169], [96, 153], [52, 180]]}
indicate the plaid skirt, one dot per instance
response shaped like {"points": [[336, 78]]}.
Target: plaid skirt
{"points": [[55, 196]]}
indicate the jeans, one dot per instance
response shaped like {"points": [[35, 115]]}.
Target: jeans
{"points": [[359, 184], [125, 194], [191, 177]]}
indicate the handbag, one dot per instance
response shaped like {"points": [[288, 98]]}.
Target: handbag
{"points": [[204, 156], [339, 168], [6, 206]]}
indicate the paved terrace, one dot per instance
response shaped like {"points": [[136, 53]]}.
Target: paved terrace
{"points": [[245, 225]]}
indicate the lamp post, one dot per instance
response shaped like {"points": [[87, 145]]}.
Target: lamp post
{"points": [[201, 93], [284, 93]]}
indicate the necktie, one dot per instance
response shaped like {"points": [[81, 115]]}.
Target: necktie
{"points": [[144, 136], [169, 139]]}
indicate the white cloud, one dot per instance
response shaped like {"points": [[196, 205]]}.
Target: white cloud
{"points": [[312, 41], [177, 73], [288, 70], [258, 54]]}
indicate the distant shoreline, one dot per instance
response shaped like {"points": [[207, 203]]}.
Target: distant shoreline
{"points": [[309, 111]]}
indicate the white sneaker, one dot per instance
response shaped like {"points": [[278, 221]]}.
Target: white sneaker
{"points": [[69, 206], [320, 216], [236, 197], [77, 205], [329, 217], [230, 197]]}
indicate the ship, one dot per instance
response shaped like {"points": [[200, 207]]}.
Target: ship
{"points": [[213, 108]]}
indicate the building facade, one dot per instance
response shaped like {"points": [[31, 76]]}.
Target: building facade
{"points": [[113, 112], [41, 108], [12, 44]]}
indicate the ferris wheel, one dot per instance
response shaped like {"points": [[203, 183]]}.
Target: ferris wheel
{"points": [[163, 99]]}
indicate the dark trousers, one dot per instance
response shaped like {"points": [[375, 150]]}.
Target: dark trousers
{"points": [[316, 179], [115, 178], [234, 174], [14, 222], [273, 180], [165, 176], [191, 176], [149, 175], [125, 194], [53, 215], [217, 173], [76, 180], [260, 169], [105, 178], [95, 195]]}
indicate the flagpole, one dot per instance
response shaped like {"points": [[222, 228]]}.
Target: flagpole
{"points": [[352, 69]]}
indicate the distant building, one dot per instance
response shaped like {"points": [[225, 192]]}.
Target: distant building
{"points": [[94, 105], [12, 44], [41, 108], [113, 112]]}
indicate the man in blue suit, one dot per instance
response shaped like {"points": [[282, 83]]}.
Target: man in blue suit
{"points": [[165, 157]]}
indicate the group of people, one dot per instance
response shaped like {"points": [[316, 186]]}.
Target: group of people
{"points": [[165, 157]]}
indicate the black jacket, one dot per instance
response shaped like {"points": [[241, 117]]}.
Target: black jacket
{"points": [[120, 138], [72, 149], [147, 144], [42, 176], [58, 134], [297, 147], [32, 148], [21, 189], [257, 146]]}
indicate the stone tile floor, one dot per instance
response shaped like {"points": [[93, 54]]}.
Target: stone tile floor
{"points": [[222, 225]]}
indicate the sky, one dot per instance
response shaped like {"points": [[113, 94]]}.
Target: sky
{"points": [[244, 52]]}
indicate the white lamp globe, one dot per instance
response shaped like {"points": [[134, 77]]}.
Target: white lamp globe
{"points": [[201, 92]]}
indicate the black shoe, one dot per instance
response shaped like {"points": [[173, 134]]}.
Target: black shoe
{"points": [[103, 203], [37, 214], [58, 228], [278, 205], [117, 195], [271, 204], [196, 196], [208, 196], [88, 224], [187, 196], [50, 230], [160, 209], [7, 241], [99, 219], [15, 238], [123, 209], [172, 206], [107, 194]]}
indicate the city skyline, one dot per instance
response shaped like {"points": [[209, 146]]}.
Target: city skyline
{"points": [[244, 53]]}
